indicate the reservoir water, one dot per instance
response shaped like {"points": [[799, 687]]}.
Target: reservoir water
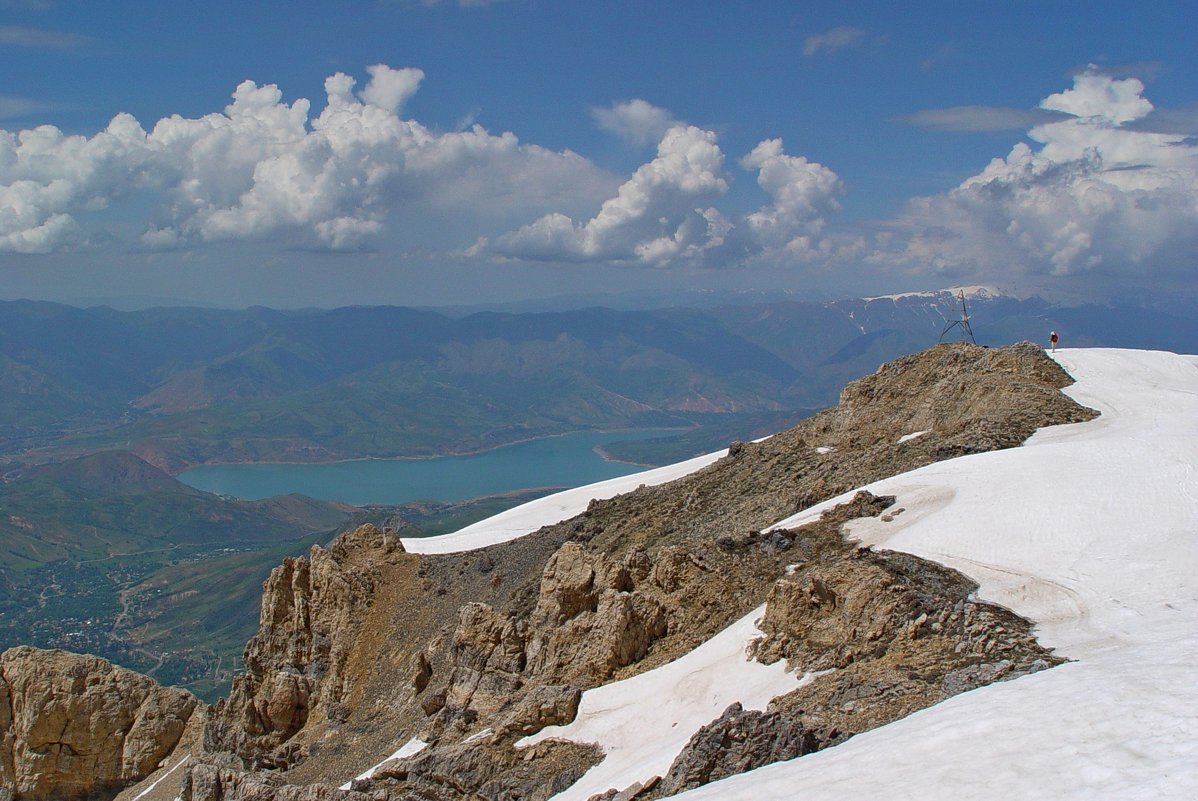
{"points": [[566, 461]]}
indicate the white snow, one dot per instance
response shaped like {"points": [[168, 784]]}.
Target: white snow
{"points": [[479, 735], [643, 722], [976, 291], [824, 449], [528, 517], [911, 436], [1091, 531], [410, 748], [154, 784]]}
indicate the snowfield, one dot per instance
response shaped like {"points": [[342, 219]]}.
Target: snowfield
{"points": [[528, 517], [1090, 530]]}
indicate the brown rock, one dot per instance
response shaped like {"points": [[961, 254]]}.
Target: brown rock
{"points": [[487, 653], [206, 782], [591, 618], [738, 741], [311, 611], [547, 705], [75, 725]]}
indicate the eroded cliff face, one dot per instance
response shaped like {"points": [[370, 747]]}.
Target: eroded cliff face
{"points": [[312, 610], [364, 647], [75, 727]]}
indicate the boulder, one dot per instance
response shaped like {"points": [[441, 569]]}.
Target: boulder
{"points": [[72, 726]]}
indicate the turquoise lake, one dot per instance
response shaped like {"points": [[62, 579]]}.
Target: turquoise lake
{"points": [[566, 461]]}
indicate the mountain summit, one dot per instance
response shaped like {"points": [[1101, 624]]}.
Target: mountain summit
{"points": [[657, 637]]}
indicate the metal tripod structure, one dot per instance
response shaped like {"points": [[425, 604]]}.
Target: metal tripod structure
{"points": [[963, 322]]}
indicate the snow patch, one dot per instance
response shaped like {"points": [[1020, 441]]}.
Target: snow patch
{"points": [[911, 436], [410, 748], [479, 735], [642, 723], [146, 791]]}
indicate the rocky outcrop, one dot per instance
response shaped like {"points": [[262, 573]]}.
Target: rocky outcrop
{"points": [[738, 741], [546, 705], [593, 616], [479, 770], [210, 782], [485, 770], [76, 727], [467, 652], [296, 664]]}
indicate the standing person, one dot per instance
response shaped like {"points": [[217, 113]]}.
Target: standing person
{"points": [[1053, 339]]}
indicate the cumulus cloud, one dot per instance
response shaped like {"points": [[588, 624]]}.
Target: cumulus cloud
{"points": [[653, 219], [389, 89], [1092, 194], [636, 121], [802, 191], [661, 215], [265, 169], [830, 41]]}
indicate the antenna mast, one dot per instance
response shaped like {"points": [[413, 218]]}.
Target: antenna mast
{"points": [[963, 322]]}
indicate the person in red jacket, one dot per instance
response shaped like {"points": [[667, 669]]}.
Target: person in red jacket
{"points": [[1053, 339]]}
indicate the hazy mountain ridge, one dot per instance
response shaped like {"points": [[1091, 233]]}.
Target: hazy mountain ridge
{"points": [[183, 386]]}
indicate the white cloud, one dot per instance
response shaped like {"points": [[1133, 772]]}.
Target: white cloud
{"points": [[265, 170], [830, 41], [802, 192], [653, 219], [389, 89], [636, 121], [1093, 194], [45, 175], [661, 216]]}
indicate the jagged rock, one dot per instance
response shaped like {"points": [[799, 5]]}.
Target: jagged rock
{"points": [[738, 741], [591, 619], [311, 611], [206, 782], [487, 653], [974, 676], [72, 726], [485, 770], [547, 705], [832, 611]]}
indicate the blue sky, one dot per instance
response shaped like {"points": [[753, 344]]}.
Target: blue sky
{"points": [[490, 152]]}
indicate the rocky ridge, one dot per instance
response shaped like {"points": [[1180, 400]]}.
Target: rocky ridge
{"points": [[491, 645], [363, 647]]}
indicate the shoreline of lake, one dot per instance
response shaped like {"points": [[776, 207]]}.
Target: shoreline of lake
{"points": [[601, 452], [558, 460]]}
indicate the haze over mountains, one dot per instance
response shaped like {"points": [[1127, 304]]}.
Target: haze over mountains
{"points": [[185, 386]]}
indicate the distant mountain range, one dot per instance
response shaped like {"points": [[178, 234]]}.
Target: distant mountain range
{"points": [[186, 386]]}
